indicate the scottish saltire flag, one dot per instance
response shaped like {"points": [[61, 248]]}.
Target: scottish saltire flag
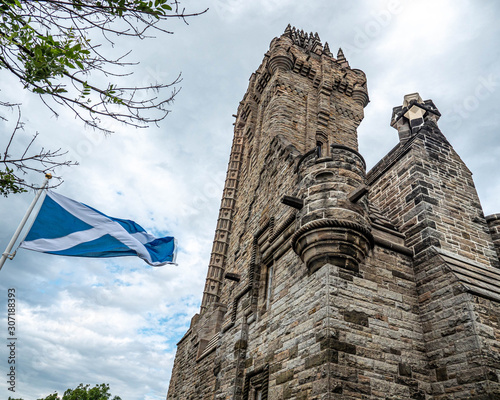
{"points": [[69, 228]]}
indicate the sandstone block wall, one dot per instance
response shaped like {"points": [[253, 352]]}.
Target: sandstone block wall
{"points": [[329, 283]]}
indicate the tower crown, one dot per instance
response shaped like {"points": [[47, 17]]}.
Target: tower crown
{"points": [[308, 41]]}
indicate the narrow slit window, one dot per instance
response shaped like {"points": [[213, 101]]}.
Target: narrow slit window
{"points": [[319, 148], [269, 285], [321, 144]]}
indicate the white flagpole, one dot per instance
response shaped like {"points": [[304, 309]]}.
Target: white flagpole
{"points": [[6, 254]]}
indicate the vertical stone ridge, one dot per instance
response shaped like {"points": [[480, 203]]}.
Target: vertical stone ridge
{"points": [[493, 222], [216, 267]]}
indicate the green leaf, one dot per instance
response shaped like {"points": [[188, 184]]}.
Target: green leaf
{"points": [[9, 183]]}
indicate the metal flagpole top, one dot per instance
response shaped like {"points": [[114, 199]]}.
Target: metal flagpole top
{"points": [[6, 254]]}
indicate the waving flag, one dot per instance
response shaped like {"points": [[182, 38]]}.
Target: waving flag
{"points": [[67, 227]]}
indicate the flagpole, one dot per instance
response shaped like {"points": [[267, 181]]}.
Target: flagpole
{"points": [[6, 254]]}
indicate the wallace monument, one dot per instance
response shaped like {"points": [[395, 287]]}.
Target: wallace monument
{"points": [[329, 282]]}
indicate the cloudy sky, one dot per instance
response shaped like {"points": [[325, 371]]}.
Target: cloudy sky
{"points": [[118, 321]]}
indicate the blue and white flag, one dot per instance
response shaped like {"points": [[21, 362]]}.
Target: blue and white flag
{"points": [[69, 228]]}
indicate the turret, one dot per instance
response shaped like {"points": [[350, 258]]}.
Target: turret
{"points": [[334, 224]]}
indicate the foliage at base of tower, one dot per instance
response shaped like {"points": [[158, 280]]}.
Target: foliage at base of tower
{"points": [[83, 392]]}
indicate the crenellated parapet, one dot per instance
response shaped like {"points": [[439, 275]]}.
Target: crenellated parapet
{"points": [[309, 42], [303, 92]]}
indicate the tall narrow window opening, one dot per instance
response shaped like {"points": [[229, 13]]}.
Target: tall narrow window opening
{"points": [[266, 286], [319, 148], [321, 144], [269, 285]]}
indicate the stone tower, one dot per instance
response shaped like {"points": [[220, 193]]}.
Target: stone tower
{"points": [[327, 282]]}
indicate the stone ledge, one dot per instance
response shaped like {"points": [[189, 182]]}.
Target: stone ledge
{"points": [[211, 346], [387, 244], [479, 279]]}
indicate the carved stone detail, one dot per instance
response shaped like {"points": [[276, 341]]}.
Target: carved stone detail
{"points": [[341, 243]]}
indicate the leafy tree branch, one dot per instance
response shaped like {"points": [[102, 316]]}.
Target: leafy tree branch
{"points": [[17, 166], [46, 45], [57, 49]]}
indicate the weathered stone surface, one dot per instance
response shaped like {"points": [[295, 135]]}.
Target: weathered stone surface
{"points": [[383, 285]]}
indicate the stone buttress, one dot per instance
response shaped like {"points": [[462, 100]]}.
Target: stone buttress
{"points": [[327, 282], [427, 191]]}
